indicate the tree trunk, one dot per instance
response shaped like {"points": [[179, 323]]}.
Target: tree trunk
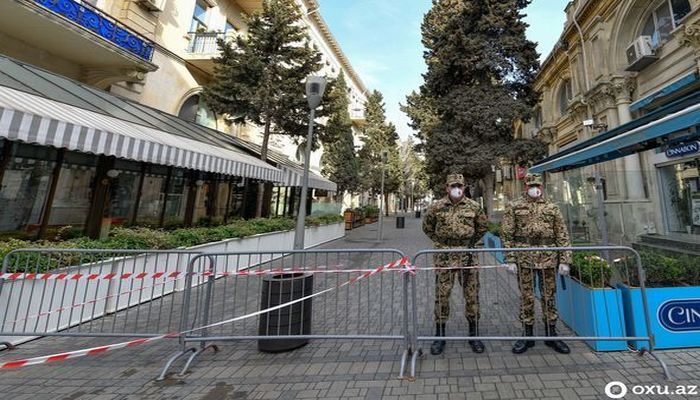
{"points": [[263, 156], [488, 193], [386, 204]]}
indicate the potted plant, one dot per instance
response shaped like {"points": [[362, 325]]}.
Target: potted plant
{"points": [[673, 299], [588, 304], [349, 218]]}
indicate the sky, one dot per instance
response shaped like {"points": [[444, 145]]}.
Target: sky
{"points": [[382, 40]]}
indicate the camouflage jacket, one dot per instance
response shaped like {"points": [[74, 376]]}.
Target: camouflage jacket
{"points": [[535, 223], [454, 225]]}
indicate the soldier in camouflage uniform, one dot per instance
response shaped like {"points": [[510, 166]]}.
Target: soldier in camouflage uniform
{"points": [[455, 222], [533, 221]]}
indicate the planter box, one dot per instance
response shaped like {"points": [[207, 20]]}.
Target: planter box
{"points": [[25, 295], [674, 314], [492, 241], [592, 312]]}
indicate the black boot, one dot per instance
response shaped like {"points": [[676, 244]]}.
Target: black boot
{"points": [[521, 346], [439, 345], [476, 345], [557, 345]]}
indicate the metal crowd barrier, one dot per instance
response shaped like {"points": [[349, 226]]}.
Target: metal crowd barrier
{"points": [[499, 299], [349, 302], [90, 293], [208, 298]]}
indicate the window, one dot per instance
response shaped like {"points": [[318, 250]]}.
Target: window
{"points": [[199, 17], [565, 95], [194, 109], [538, 118], [665, 18]]}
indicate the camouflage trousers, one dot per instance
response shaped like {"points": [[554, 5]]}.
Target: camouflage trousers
{"points": [[444, 280], [547, 286]]}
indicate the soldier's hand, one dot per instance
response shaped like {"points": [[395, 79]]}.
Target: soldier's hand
{"points": [[512, 268], [564, 269]]}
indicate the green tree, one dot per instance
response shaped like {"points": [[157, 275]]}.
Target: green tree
{"points": [[415, 184], [379, 136], [260, 77], [481, 70], [339, 163]]}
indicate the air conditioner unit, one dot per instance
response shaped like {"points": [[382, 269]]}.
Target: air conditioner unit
{"points": [[640, 54], [152, 5]]}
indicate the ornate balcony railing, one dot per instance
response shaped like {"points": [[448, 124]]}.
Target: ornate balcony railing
{"points": [[207, 42], [102, 24]]}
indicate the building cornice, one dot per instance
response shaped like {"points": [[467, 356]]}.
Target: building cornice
{"points": [[313, 6]]}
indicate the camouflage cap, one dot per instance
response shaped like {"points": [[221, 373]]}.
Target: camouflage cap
{"points": [[533, 179], [455, 178]]}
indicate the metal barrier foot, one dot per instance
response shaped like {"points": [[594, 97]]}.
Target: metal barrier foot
{"points": [[197, 352], [414, 361], [8, 345], [667, 372], [171, 360]]}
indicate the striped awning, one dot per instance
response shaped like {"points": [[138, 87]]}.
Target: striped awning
{"points": [[294, 177], [34, 119]]}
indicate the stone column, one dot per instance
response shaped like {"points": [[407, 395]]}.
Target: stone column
{"points": [[634, 181]]}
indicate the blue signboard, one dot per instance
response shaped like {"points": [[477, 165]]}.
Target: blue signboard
{"points": [[680, 315], [683, 149]]}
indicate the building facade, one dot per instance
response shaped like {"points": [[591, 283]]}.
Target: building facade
{"points": [[124, 66], [618, 113]]}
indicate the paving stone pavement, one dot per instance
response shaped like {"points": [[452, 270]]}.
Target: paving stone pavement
{"points": [[361, 369]]}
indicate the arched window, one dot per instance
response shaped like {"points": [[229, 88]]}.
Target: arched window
{"points": [[565, 95], [663, 19], [194, 109]]}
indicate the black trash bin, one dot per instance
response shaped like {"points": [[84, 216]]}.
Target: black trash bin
{"points": [[418, 214], [400, 222], [291, 320]]}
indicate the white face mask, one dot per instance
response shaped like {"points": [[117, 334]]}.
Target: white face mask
{"points": [[456, 193], [534, 192]]}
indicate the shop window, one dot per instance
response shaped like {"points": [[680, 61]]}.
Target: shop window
{"points": [[176, 199], [663, 19], [124, 191], [24, 187], [74, 190], [680, 188], [565, 96], [152, 196]]}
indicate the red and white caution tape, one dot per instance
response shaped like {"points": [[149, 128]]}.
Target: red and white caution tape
{"points": [[403, 262], [48, 276]]}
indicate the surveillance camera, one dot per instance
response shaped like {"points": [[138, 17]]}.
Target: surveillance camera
{"points": [[588, 122]]}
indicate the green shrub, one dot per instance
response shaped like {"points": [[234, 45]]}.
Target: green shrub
{"points": [[494, 228], [144, 238], [590, 269]]}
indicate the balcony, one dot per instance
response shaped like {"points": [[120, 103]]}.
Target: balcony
{"points": [[203, 47], [78, 32]]}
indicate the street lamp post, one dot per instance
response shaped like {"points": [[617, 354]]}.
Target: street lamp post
{"points": [[315, 85], [381, 198]]}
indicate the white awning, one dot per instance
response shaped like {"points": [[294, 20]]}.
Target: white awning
{"points": [[34, 119], [294, 177]]}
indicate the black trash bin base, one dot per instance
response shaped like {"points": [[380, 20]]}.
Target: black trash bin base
{"points": [[291, 320]]}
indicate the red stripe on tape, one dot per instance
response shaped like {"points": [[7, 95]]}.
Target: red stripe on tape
{"points": [[57, 357], [158, 275], [141, 275], [110, 275], [98, 350], [92, 276], [76, 276], [13, 364]]}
